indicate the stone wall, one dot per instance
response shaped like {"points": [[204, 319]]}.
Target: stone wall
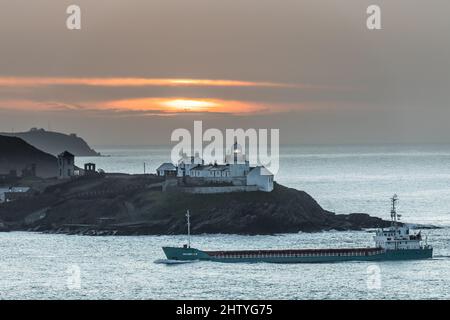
{"points": [[226, 189], [205, 181]]}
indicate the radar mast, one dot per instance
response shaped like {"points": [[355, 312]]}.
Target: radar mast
{"points": [[394, 216], [188, 218]]}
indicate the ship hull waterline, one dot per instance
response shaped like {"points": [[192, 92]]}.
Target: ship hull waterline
{"points": [[296, 256]]}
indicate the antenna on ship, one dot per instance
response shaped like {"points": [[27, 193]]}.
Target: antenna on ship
{"points": [[394, 215], [188, 217]]}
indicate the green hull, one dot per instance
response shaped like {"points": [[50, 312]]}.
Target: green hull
{"points": [[298, 256]]}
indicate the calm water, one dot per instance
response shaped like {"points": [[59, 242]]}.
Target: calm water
{"points": [[342, 179], [39, 266]]}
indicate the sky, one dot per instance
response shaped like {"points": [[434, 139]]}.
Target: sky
{"points": [[139, 69]]}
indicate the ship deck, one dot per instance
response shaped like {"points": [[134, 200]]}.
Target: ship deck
{"points": [[296, 252]]}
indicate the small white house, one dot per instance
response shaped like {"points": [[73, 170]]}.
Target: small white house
{"points": [[261, 177], [166, 169]]}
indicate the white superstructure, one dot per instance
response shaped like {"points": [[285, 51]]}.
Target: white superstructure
{"points": [[397, 237]]}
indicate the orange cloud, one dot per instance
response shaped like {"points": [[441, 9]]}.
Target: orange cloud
{"points": [[19, 104], [134, 82], [146, 105]]}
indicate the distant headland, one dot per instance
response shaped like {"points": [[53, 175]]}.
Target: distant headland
{"points": [[55, 142]]}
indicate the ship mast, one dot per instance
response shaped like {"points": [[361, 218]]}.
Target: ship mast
{"points": [[188, 217], [394, 215]]}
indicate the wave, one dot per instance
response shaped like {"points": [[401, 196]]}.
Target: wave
{"points": [[172, 262]]}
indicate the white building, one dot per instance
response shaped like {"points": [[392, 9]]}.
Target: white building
{"points": [[260, 177], [235, 165], [186, 163], [166, 169], [210, 171], [235, 172]]}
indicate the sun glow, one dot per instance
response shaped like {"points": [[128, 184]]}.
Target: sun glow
{"points": [[180, 104], [190, 105]]}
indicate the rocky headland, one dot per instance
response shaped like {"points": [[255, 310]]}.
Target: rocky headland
{"points": [[120, 204]]}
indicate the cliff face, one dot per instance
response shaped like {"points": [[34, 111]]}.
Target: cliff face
{"points": [[133, 205], [16, 154], [55, 143]]}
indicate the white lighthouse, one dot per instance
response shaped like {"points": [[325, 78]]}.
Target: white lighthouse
{"points": [[237, 161]]}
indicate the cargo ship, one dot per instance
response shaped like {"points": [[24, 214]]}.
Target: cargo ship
{"points": [[397, 242]]}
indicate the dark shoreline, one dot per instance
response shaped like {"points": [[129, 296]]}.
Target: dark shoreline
{"points": [[99, 232]]}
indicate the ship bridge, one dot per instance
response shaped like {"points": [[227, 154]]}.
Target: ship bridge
{"points": [[397, 237]]}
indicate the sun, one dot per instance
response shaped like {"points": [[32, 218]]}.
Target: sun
{"points": [[190, 105], [175, 105]]}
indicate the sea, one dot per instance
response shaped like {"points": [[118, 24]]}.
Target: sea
{"points": [[343, 179]]}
